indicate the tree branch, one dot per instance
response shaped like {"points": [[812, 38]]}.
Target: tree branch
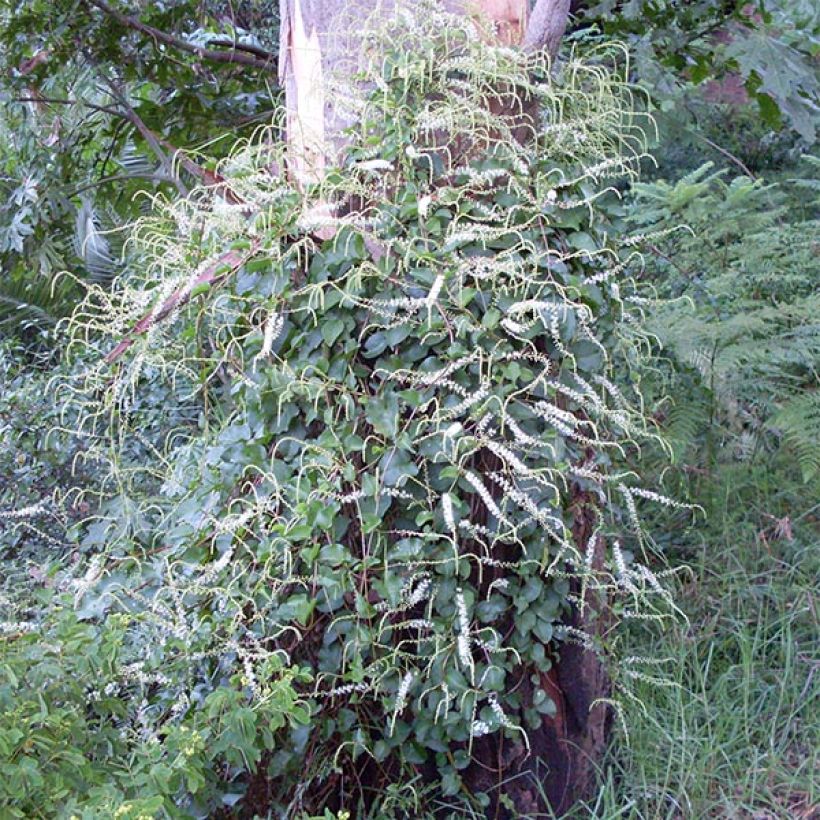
{"points": [[548, 22], [55, 101], [214, 273], [147, 134], [262, 53], [234, 56], [743, 167]]}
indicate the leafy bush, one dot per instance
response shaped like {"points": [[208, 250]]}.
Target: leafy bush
{"points": [[37, 461], [405, 474], [128, 714], [355, 499], [95, 721]]}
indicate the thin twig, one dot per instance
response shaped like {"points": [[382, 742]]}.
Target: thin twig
{"points": [[658, 252], [148, 135], [118, 178], [56, 101], [726, 154]]}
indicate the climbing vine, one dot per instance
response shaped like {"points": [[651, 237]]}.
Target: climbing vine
{"points": [[397, 464]]}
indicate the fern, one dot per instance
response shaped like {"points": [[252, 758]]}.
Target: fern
{"points": [[97, 243], [684, 422], [798, 422], [749, 323]]}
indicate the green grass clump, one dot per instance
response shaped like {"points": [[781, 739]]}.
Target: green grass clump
{"points": [[734, 734]]}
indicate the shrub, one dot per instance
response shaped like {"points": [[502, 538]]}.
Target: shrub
{"points": [[117, 719], [744, 319], [404, 476]]}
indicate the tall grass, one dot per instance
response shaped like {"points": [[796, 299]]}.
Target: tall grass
{"points": [[736, 733]]}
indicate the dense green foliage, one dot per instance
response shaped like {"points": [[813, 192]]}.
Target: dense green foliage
{"points": [[36, 462], [311, 543], [743, 310], [399, 426], [83, 732], [738, 51], [92, 112]]}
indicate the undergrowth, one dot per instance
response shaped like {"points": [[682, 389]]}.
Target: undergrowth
{"points": [[396, 489], [337, 486], [742, 312], [735, 733]]}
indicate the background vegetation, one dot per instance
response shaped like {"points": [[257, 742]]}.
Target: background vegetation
{"points": [[116, 700]]}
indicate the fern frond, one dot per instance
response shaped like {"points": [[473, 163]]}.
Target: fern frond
{"points": [[798, 422], [98, 247], [748, 324], [684, 423], [33, 307]]}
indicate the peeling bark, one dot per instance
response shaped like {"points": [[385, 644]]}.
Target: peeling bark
{"points": [[547, 25], [507, 17], [320, 39], [301, 72]]}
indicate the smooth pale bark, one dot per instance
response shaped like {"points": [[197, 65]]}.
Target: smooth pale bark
{"points": [[320, 39], [546, 26]]}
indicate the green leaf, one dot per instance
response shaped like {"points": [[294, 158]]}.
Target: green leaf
{"points": [[332, 329], [382, 411], [450, 783], [781, 73]]}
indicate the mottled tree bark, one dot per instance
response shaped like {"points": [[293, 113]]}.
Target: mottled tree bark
{"points": [[322, 39], [546, 26]]}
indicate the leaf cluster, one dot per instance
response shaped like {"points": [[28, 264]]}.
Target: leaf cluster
{"points": [[762, 52], [403, 427], [93, 112], [94, 722], [745, 315]]}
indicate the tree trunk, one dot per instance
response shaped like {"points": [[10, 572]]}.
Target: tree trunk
{"points": [[320, 39]]}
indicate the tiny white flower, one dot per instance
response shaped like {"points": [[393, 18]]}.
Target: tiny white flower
{"points": [[449, 518], [480, 728], [435, 290], [376, 165]]}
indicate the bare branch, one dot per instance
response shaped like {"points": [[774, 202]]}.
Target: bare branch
{"points": [[743, 167], [262, 53], [212, 274], [147, 134], [55, 101]]}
